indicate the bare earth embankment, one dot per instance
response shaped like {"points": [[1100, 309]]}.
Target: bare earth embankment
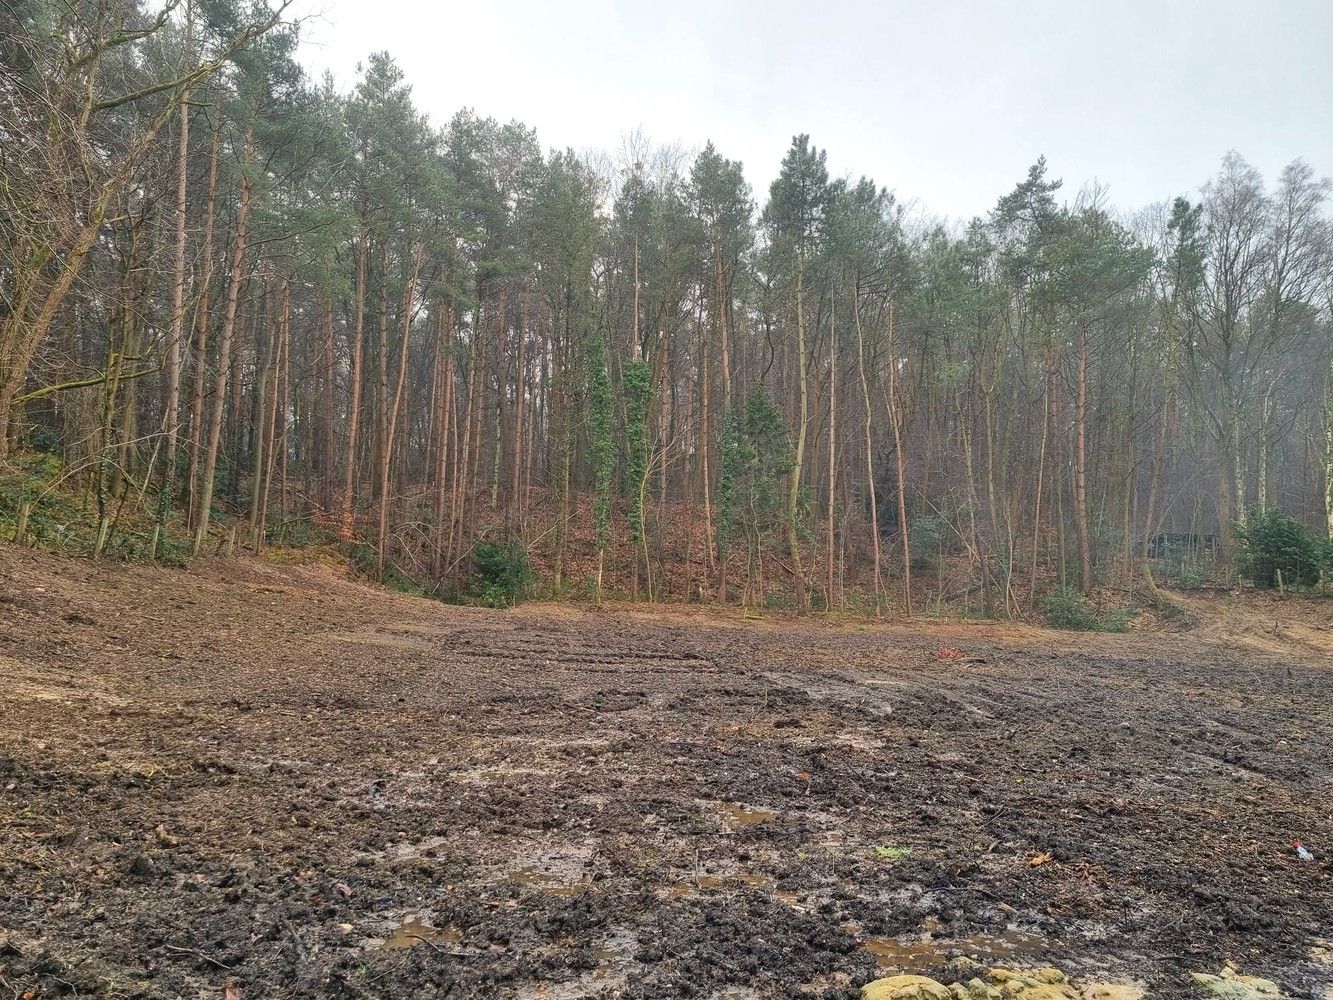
{"points": [[250, 780]]}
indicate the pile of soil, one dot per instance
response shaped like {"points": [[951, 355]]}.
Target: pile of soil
{"points": [[252, 780]]}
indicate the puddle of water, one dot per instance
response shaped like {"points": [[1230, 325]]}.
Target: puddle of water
{"points": [[547, 882], [412, 932], [738, 817], [896, 953]]}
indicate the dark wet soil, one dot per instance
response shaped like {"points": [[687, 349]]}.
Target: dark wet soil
{"points": [[254, 780]]}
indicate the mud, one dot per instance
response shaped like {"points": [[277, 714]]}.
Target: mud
{"points": [[254, 780]]}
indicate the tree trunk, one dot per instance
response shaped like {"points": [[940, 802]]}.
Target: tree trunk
{"points": [[326, 433], [794, 480], [870, 453], [832, 447], [201, 335], [895, 421], [1328, 451], [1081, 466], [345, 527], [391, 426], [224, 350], [514, 505], [171, 414], [262, 428]]}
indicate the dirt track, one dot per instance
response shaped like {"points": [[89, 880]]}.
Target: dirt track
{"points": [[270, 778]]}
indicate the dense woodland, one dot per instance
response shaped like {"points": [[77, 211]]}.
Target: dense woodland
{"points": [[232, 294]]}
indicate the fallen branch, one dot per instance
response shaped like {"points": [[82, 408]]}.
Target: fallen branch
{"points": [[193, 951]]}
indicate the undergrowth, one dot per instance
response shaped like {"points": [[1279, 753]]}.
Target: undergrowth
{"points": [[61, 518], [1069, 610]]}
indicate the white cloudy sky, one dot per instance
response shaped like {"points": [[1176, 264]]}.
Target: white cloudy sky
{"points": [[945, 101]]}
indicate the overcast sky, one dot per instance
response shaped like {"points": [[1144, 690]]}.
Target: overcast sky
{"points": [[945, 101]]}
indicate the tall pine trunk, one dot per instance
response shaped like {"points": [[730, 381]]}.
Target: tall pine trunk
{"points": [[1081, 465], [224, 349]]}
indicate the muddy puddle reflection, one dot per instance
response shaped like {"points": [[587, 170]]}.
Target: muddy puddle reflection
{"points": [[413, 932], [738, 817], [546, 882]]}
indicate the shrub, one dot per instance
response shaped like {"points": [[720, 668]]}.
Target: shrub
{"points": [[501, 573], [1117, 619], [1274, 542], [1190, 576], [923, 540], [362, 557], [1068, 609]]}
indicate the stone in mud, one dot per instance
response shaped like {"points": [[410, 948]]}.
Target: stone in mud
{"points": [[906, 988], [141, 866], [1231, 985]]}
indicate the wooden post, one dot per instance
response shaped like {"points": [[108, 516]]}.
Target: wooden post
{"points": [[21, 532]]}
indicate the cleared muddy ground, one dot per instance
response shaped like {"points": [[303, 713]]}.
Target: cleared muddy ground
{"points": [[252, 780]]}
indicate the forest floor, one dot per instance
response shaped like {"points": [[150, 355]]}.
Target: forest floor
{"points": [[252, 780]]}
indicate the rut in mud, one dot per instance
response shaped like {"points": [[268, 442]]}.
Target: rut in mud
{"points": [[272, 779]]}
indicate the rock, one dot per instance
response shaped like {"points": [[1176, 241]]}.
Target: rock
{"points": [[1049, 991], [1041, 984], [1231, 985], [906, 988], [1113, 991], [1035, 984]]}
